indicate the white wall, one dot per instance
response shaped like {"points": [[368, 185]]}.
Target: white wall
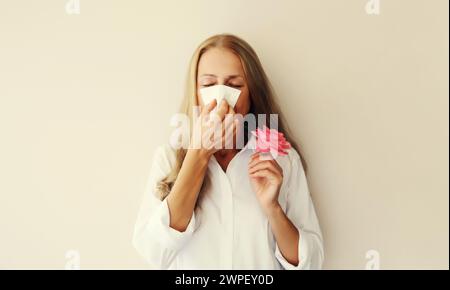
{"points": [[85, 99]]}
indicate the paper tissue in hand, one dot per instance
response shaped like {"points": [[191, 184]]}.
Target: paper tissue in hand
{"points": [[219, 92]]}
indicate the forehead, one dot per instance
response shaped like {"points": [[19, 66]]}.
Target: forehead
{"points": [[220, 62]]}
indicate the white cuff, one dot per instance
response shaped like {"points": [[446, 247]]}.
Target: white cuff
{"points": [[304, 247], [169, 237]]}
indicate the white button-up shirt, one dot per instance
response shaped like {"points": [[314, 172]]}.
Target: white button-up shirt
{"points": [[228, 229]]}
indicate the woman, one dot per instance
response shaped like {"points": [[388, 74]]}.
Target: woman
{"points": [[209, 208]]}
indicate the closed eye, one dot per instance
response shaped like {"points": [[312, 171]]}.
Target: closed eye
{"points": [[207, 85]]}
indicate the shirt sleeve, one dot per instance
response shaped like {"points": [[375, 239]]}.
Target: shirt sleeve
{"points": [[153, 238], [300, 211]]}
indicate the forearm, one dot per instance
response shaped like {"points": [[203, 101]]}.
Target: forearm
{"points": [[286, 234], [184, 193]]}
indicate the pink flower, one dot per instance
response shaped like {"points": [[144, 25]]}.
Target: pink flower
{"points": [[271, 141]]}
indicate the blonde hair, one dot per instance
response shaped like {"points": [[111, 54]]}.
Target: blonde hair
{"points": [[261, 95]]}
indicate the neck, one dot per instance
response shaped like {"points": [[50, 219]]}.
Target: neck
{"points": [[225, 152]]}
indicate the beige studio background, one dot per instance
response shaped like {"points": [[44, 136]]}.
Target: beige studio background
{"points": [[85, 99]]}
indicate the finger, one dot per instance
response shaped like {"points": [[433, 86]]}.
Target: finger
{"points": [[256, 158], [264, 173], [231, 110], [229, 116], [259, 163], [209, 107], [230, 133], [236, 128], [223, 109], [222, 128], [219, 114], [258, 167], [264, 165], [253, 158], [218, 134], [228, 122], [207, 137], [275, 163], [237, 125], [223, 132]]}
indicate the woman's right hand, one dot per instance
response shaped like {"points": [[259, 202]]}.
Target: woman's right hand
{"points": [[206, 124], [184, 193]]}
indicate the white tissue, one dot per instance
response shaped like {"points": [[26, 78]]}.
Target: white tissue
{"points": [[220, 92]]}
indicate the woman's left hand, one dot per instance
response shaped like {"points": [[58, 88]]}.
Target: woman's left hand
{"points": [[266, 177]]}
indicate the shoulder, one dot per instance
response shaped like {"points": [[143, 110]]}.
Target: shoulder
{"points": [[293, 155], [292, 165], [291, 162]]}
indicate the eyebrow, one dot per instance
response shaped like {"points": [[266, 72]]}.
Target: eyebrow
{"points": [[227, 78]]}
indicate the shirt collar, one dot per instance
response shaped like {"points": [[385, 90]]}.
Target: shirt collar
{"points": [[251, 143]]}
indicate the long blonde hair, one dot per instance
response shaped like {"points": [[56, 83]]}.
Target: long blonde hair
{"points": [[261, 95]]}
